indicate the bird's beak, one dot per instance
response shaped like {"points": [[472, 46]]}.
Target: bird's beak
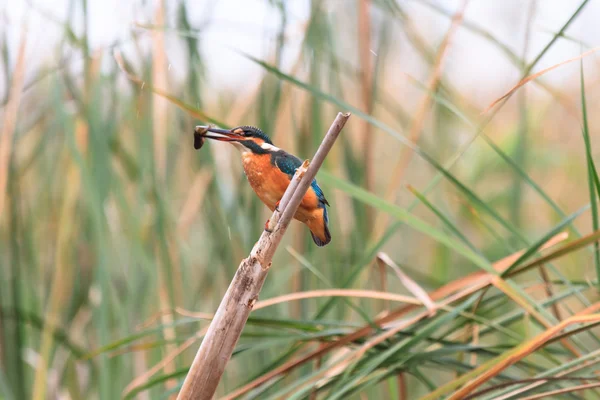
{"points": [[222, 135]]}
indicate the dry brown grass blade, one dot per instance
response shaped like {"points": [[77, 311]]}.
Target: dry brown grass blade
{"points": [[390, 332], [549, 291], [314, 294], [556, 378], [318, 363], [495, 366], [10, 116], [411, 285], [537, 75], [402, 388], [368, 294], [550, 394], [506, 262], [159, 106], [191, 314], [462, 287], [588, 310], [474, 327], [366, 78], [542, 381], [382, 274], [566, 249], [504, 287]]}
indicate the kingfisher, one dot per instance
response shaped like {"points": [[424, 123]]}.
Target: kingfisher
{"points": [[269, 171]]}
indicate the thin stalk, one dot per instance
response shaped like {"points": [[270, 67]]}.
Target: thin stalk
{"points": [[366, 74]]}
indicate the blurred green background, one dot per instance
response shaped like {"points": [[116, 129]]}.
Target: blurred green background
{"points": [[118, 239]]}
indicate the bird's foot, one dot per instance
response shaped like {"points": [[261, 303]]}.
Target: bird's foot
{"points": [[267, 228], [267, 224]]}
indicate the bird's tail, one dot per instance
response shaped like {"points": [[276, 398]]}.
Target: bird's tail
{"points": [[320, 229]]}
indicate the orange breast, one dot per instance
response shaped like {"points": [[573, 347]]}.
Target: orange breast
{"points": [[270, 184]]}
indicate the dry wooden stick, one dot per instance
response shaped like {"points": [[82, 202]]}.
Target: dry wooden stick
{"points": [[229, 321]]}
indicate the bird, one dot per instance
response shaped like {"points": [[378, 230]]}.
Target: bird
{"points": [[269, 171]]}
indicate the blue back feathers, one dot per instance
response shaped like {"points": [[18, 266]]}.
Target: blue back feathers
{"points": [[288, 164]]}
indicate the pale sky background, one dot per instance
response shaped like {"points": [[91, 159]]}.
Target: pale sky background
{"points": [[251, 25]]}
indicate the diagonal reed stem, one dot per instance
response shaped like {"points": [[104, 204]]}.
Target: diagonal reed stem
{"points": [[229, 321]]}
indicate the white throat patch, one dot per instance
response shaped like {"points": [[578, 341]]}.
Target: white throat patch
{"points": [[269, 147]]}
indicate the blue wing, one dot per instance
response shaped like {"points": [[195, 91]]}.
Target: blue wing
{"points": [[288, 164]]}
